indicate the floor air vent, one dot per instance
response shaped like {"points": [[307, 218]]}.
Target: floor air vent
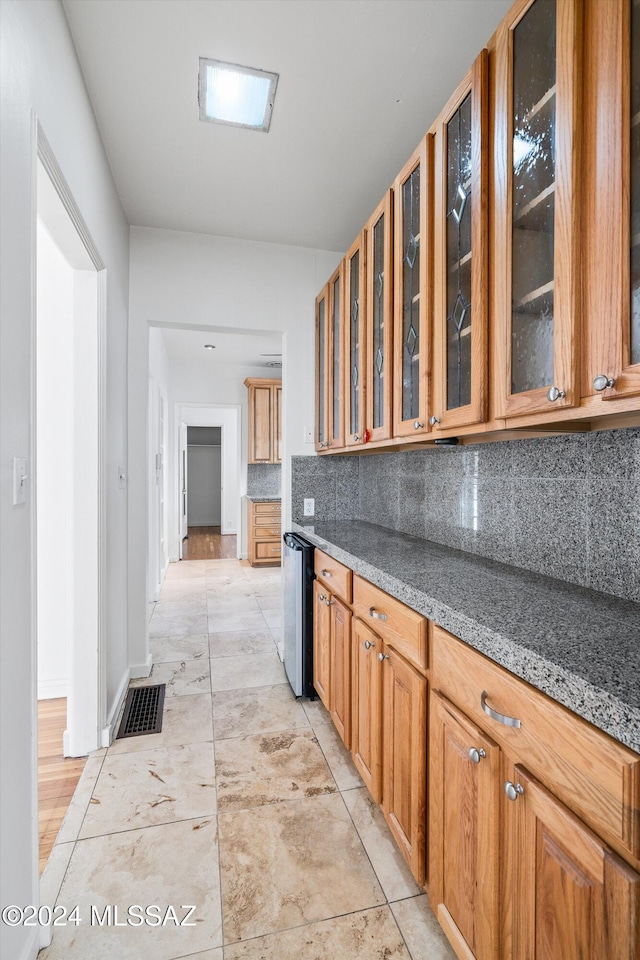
{"points": [[142, 711]]}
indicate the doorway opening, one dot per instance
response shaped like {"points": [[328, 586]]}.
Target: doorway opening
{"points": [[69, 541], [205, 540]]}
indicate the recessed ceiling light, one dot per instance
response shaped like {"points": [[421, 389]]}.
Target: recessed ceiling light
{"points": [[209, 346], [238, 96]]}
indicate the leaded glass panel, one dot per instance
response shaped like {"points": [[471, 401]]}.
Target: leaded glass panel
{"points": [[411, 296], [337, 343], [378, 371], [534, 101], [635, 183], [459, 257], [354, 340], [322, 360]]}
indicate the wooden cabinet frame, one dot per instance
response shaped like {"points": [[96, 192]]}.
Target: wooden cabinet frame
{"points": [[358, 249], [384, 209], [322, 368], [423, 158], [476, 85], [567, 212], [265, 420]]}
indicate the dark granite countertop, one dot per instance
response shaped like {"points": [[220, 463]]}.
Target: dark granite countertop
{"points": [[273, 498], [578, 646]]}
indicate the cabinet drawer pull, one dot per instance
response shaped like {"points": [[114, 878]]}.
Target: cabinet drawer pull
{"points": [[329, 602], [368, 644], [513, 790], [500, 717], [376, 616], [383, 656], [476, 755], [326, 573], [322, 597]]}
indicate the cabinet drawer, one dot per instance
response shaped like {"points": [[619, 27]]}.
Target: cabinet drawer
{"points": [[594, 775], [268, 550], [336, 576], [266, 533], [270, 508], [400, 626]]}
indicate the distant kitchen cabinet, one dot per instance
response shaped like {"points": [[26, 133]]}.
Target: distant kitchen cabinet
{"points": [[411, 346], [355, 264], [536, 206], [264, 532], [265, 420], [460, 248], [330, 363]]}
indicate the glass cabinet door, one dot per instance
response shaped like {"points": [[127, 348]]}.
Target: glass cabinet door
{"points": [[322, 373], [411, 309], [379, 369], [355, 346], [612, 200], [537, 175], [460, 255], [335, 361]]}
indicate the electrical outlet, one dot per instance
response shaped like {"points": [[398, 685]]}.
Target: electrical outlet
{"points": [[309, 506]]}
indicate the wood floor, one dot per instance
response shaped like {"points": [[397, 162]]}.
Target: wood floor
{"points": [[57, 775], [207, 543]]}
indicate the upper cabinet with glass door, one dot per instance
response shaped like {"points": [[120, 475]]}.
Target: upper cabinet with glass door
{"points": [[330, 364], [354, 343], [612, 201], [379, 359], [460, 376], [412, 192], [536, 213]]}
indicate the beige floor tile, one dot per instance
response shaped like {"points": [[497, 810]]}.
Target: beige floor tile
{"points": [[273, 618], [238, 642], [226, 588], [316, 712], [338, 757], [184, 589], [80, 801], [223, 622], [178, 626], [184, 720], [238, 713], [421, 931], [207, 955], [182, 678], [170, 649], [270, 768], [152, 786], [390, 866], [222, 568], [233, 673], [51, 879], [286, 864], [172, 864], [369, 935], [186, 569], [185, 607], [231, 606]]}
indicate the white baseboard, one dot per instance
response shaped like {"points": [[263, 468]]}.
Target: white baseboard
{"points": [[28, 949], [139, 670], [204, 523], [52, 689], [109, 731]]}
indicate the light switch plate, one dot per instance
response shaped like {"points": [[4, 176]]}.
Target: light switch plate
{"points": [[309, 506], [20, 477]]}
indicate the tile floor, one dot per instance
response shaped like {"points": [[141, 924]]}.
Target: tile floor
{"points": [[246, 806]]}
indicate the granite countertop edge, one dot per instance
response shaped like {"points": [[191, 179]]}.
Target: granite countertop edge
{"points": [[262, 498], [588, 700]]}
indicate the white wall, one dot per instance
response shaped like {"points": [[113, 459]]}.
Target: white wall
{"points": [[39, 74], [204, 504], [158, 445], [219, 283], [55, 285]]}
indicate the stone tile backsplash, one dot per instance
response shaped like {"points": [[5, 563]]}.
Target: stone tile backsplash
{"points": [[566, 506], [263, 479]]}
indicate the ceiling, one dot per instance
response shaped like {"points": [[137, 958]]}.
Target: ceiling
{"points": [[235, 349], [360, 83]]}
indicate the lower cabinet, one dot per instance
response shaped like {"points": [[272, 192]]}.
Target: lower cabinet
{"points": [[332, 657], [366, 708], [322, 644], [264, 532]]}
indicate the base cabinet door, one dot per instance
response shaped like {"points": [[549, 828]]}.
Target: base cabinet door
{"points": [[567, 895], [322, 643], [366, 703], [404, 773], [341, 670], [464, 804]]}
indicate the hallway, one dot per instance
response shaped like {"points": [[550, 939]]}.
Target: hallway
{"points": [[246, 806]]}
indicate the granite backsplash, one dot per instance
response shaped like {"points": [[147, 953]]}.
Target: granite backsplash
{"points": [[263, 479], [566, 506]]}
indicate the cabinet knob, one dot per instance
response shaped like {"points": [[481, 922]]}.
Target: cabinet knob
{"points": [[476, 755], [601, 382], [434, 420], [513, 790], [326, 573], [375, 615], [356, 438], [418, 424], [383, 656], [555, 393], [329, 602], [368, 644], [322, 597]]}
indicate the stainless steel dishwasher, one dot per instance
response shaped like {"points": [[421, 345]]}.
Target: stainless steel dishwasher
{"points": [[298, 614]]}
